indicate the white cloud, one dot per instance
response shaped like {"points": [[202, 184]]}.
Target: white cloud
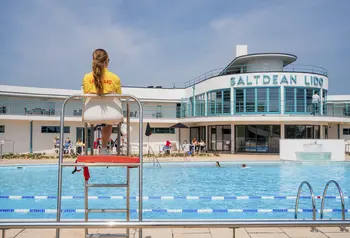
{"points": [[57, 39]]}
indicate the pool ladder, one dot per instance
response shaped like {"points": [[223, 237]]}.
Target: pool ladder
{"points": [[314, 229]]}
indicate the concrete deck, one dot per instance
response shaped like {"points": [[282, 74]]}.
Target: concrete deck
{"points": [[324, 232]]}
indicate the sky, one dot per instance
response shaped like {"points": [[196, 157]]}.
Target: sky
{"points": [[49, 43]]}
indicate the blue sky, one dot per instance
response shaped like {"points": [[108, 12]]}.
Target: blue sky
{"points": [[49, 43]]}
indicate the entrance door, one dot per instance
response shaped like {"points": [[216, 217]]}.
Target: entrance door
{"points": [[219, 138], [81, 134]]}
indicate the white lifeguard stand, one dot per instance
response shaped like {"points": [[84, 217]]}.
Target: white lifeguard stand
{"points": [[104, 109]]}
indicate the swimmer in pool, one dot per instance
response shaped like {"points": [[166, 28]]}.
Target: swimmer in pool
{"points": [[244, 165], [217, 164]]}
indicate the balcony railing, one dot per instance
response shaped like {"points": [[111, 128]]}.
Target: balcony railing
{"points": [[32, 108], [239, 69], [300, 107]]}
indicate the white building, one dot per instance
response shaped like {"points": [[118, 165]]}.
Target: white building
{"points": [[245, 107]]}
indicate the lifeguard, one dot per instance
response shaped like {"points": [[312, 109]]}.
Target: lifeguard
{"points": [[105, 111]]}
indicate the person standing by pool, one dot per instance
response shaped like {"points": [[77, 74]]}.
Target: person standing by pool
{"points": [[101, 81]]}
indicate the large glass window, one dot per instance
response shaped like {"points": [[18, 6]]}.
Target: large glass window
{"points": [[257, 138], [300, 93], [262, 99], [250, 100], [299, 100], [227, 101], [239, 100], [219, 102], [274, 99], [257, 100], [290, 99], [302, 132], [200, 105]]}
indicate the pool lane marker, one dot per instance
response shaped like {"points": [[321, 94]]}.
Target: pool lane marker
{"points": [[214, 198], [189, 210]]}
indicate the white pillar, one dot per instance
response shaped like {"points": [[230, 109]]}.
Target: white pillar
{"points": [[321, 101], [282, 131], [206, 104], [282, 102], [232, 138], [232, 101], [321, 132]]}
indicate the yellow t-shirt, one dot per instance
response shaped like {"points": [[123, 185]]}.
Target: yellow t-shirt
{"points": [[111, 83]]}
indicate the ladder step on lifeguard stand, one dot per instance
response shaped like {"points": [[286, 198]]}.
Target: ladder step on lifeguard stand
{"points": [[86, 161]]}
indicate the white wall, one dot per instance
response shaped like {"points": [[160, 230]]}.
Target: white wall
{"points": [[249, 81], [43, 142], [289, 147], [19, 132], [332, 131], [265, 64]]}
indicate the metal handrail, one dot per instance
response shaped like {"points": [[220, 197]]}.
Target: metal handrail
{"points": [[232, 224], [60, 161], [341, 199], [312, 197]]}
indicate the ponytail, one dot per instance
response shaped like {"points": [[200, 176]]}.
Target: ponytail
{"points": [[100, 57]]}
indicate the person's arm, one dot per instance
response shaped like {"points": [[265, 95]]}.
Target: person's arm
{"points": [[117, 85]]}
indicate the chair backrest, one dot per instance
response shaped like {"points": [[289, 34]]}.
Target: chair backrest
{"points": [[173, 146], [102, 110]]}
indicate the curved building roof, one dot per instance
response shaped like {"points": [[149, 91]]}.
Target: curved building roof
{"points": [[235, 65]]}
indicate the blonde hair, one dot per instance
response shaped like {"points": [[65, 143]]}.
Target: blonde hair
{"points": [[99, 59]]}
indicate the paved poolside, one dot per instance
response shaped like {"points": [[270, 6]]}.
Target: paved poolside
{"points": [[221, 158], [324, 232]]}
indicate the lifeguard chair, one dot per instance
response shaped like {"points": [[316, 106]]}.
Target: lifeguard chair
{"points": [[106, 109]]}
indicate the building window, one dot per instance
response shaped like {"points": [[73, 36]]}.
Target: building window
{"points": [[346, 131], [250, 100], [219, 102], [274, 99], [54, 129], [239, 100], [299, 100], [178, 110], [163, 130], [2, 129], [200, 105], [257, 100], [289, 95], [257, 138], [302, 132]]}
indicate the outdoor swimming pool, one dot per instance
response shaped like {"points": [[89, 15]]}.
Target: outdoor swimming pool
{"points": [[184, 190]]}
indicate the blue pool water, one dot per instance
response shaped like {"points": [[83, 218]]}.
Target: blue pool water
{"points": [[178, 190]]}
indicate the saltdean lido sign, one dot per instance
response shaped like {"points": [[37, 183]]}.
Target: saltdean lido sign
{"points": [[277, 79]]}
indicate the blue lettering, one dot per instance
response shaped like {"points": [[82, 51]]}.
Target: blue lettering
{"points": [[275, 79], [240, 81], [266, 81], [248, 82], [320, 81], [257, 79], [233, 81], [284, 80], [305, 80], [293, 78], [316, 81]]}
